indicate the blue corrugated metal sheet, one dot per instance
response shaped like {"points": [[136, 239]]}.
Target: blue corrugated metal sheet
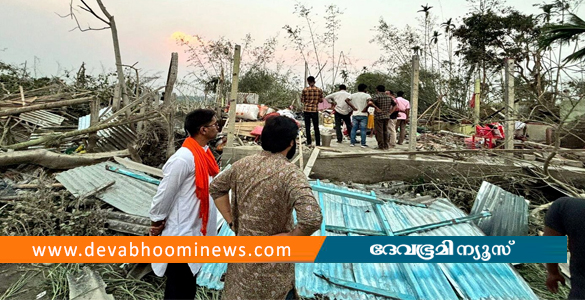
{"points": [[509, 211], [420, 281]]}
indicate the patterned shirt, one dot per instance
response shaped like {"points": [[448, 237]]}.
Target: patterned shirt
{"points": [[310, 98], [266, 188], [385, 104]]}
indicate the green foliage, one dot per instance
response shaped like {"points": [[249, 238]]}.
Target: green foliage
{"points": [[400, 81], [564, 34], [12, 77], [488, 37], [372, 80], [273, 89]]}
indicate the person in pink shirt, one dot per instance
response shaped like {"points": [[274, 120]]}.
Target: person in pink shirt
{"points": [[403, 115]]}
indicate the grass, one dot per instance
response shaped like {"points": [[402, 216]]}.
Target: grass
{"points": [[535, 276], [17, 287]]}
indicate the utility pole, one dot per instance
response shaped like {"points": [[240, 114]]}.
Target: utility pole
{"points": [[509, 99], [414, 105], [234, 97], [477, 102]]}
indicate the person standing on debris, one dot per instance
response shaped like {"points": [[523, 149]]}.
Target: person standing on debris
{"points": [[182, 206], [383, 105], [311, 97], [565, 217], [403, 107], [262, 205], [342, 110], [359, 103]]}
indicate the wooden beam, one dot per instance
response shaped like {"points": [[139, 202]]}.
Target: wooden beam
{"points": [[311, 161]]}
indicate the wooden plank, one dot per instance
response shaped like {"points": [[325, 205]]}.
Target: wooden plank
{"points": [[311, 162]]}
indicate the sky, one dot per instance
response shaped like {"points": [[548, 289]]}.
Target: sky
{"points": [[32, 31]]}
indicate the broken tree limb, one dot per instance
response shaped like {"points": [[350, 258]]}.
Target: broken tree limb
{"points": [[69, 134], [97, 190], [44, 106], [93, 192], [53, 160]]}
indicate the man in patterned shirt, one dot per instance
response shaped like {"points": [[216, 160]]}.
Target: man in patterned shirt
{"points": [[265, 188], [384, 106], [311, 97]]}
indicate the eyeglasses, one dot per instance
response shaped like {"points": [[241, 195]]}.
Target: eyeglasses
{"points": [[213, 125]]}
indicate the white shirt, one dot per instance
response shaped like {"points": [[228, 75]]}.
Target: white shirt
{"points": [[360, 101], [339, 98], [175, 201]]}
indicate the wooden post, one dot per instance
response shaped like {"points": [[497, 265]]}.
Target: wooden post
{"points": [[171, 78], [168, 103], [234, 97], [509, 99], [171, 125], [22, 95], [94, 118], [477, 93], [413, 105]]}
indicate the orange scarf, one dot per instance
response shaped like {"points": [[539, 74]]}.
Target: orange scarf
{"points": [[205, 166]]}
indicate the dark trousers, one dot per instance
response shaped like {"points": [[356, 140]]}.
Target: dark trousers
{"points": [[315, 117], [401, 124], [338, 126], [292, 295], [181, 284], [382, 133]]}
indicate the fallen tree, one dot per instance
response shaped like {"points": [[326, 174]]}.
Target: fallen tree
{"points": [[53, 160]]}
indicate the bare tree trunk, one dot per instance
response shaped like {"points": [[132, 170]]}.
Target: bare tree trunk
{"points": [[51, 160], [118, 55]]}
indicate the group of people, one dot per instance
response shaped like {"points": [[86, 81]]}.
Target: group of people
{"points": [[193, 190], [383, 112]]}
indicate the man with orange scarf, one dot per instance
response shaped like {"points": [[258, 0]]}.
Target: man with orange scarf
{"points": [[182, 206]]}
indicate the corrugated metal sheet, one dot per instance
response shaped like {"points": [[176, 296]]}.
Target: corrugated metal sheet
{"points": [[422, 281], [509, 211], [42, 118], [110, 139], [129, 195]]}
